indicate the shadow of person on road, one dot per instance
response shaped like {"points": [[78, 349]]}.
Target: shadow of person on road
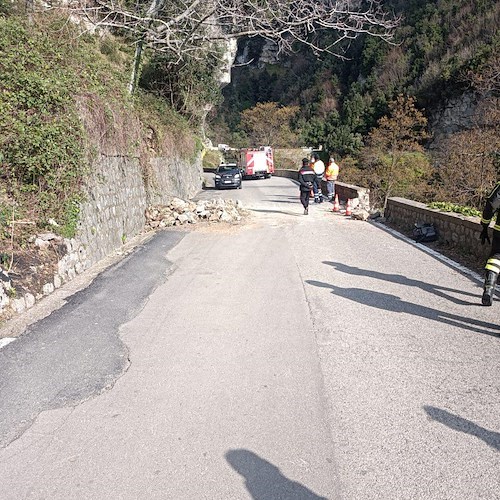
{"points": [[293, 201], [264, 481], [274, 212], [403, 280], [287, 196], [393, 303], [460, 424]]}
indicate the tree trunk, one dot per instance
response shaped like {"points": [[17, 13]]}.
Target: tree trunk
{"points": [[135, 68], [151, 13]]}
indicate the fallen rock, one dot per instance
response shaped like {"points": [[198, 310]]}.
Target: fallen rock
{"points": [[360, 214], [182, 218], [180, 212], [41, 243]]}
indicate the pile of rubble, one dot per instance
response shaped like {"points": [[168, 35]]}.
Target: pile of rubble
{"points": [[179, 212]]}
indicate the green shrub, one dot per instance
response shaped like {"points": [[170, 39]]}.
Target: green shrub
{"points": [[211, 159], [41, 137], [445, 206], [45, 68]]}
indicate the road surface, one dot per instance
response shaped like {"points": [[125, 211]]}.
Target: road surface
{"points": [[287, 357]]}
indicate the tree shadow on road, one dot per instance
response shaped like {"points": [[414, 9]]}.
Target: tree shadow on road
{"points": [[394, 303], [460, 424], [264, 481], [403, 280]]}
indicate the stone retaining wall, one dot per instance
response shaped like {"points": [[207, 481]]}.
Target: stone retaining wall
{"points": [[117, 194], [113, 209], [455, 230]]}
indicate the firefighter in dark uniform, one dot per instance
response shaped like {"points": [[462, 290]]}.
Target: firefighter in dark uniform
{"points": [[493, 263], [307, 177]]}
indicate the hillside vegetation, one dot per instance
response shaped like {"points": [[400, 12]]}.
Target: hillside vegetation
{"points": [[64, 103]]}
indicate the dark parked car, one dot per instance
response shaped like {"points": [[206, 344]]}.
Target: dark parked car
{"points": [[228, 175]]}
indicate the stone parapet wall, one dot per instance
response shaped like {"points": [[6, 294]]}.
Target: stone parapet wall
{"points": [[352, 192], [289, 174], [345, 191], [454, 230]]}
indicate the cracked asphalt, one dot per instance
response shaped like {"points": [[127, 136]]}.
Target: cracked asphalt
{"points": [[76, 352]]}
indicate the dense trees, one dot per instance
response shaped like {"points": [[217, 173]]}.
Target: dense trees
{"points": [[394, 156], [469, 160], [267, 124]]}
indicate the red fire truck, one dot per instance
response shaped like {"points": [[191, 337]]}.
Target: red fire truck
{"points": [[256, 162]]}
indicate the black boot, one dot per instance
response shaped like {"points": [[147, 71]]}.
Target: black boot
{"points": [[489, 288]]}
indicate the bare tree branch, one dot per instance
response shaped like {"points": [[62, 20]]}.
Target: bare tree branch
{"points": [[183, 27]]}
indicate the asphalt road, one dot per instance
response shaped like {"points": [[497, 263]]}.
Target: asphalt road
{"points": [[287, 357]]}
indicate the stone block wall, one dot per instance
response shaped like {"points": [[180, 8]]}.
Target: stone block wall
{"points": [[352, 192], [113, 211], [118, 192], [174, 177], [455, 230]]}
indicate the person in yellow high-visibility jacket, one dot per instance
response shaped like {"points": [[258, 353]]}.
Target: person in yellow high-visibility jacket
{"points": [[492, 266], [331, 174]]}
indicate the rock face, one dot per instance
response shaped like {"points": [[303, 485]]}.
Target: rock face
{"points": [[269, 54], [179, 212], [230, 49], [455, 115], [257, 53]]}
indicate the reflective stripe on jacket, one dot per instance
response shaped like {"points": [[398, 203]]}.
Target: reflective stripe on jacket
{"points": [[306, 178], [491, 208]]}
